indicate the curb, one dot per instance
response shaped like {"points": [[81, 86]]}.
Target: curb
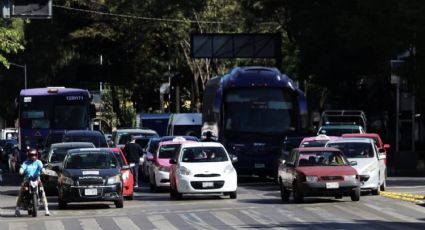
{"points": [[414, 198]]}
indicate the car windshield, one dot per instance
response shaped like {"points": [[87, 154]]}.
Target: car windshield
{"points": [[57, 155], [321, 159], [353, 149], [168, 151], [204, 154], [91, 160], [124, 138]]}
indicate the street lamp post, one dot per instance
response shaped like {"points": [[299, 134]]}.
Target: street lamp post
{"points": [[25, 71]]}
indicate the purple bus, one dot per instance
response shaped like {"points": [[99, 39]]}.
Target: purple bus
{"points": [[43, 110]]}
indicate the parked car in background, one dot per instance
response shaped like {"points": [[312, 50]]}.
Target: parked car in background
{"points": [[94, 136], [317, 141], [127, 175], [202, 167], [357, 117], [318, 171], [370, 162], [382, 148], [90, 175], [188, 124], [53, 160], [159, 169]]}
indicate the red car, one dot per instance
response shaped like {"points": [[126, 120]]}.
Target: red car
{"points": [[318, 171], [127, 175], [383, 148]]}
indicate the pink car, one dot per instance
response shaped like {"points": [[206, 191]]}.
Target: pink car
{"points": [[159, 170], [317, 141]]}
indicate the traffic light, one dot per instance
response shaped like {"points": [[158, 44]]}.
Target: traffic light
{"points": [[33, 9]]}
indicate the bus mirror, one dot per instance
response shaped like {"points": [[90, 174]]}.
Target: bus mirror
{"points": [[92, 111]]}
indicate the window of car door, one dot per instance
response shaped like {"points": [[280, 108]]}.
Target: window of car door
{"points": [[292, 158]]}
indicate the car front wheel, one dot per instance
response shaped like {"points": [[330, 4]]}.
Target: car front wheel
{"points": [[298, 194], [355, 194], [233, 195], [284, 193], [119, 203]]}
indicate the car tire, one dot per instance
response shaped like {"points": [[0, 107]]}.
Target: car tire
{"points": [[119, 203], [131, 197], [62, 204], [233, 195], [355, 194], [284, 193], [377, 191], [175, 195], [298, 195]]}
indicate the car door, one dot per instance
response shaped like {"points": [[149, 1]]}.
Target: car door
{"points": [[381, 163]]}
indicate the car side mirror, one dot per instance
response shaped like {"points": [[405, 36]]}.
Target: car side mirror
{"points": [[173, 161], [387, 146], [382, 150], [233, 158], [282, 161], [353, 163], [126, 166]]}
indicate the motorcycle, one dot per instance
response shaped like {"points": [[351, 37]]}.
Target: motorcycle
{"points": [[31, 195]]}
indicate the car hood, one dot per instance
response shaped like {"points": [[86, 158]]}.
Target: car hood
{"points": [[365, 165], [326, 170], [90, 172], [164, 162], [207, 167]]}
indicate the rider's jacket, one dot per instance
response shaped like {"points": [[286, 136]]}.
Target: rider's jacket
{"points": [[32, 168]]}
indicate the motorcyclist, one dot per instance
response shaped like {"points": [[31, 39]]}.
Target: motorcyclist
{"points": [[32, 167], [208, 137]]}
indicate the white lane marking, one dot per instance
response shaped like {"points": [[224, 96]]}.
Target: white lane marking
{"points": [[229, 219], [195, 221], [125, 223], [18, 226], [294, 217], [392, 213], [54, 225], [261, 219], [160, 222], [89, 224]]}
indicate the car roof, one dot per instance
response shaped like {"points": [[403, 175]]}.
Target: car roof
{"points": [[136, 130], [175, 142], [167, 138], [353, 140], [317, 149], [202, 144], [360, 135], [91, 150], [72, 144], [321, 137], [340, 127], [83, 132]]}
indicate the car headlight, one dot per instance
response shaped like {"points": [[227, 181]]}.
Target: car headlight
{"points": [[68, 181], [229, 169], [184, 171], [350, 177], [311, 178], [114, 179], [163, 169]]}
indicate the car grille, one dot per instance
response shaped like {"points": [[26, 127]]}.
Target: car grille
{"points": [[90, 181], [198, 185], [207, 175], [331, 178]]}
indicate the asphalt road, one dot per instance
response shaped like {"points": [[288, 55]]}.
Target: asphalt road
{"points": [[258, 207]]}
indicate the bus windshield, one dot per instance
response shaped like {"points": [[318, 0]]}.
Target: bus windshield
{"points": [[49, 113], [259, 110]]}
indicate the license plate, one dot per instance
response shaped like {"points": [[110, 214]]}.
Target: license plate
{"points": [[207, 184], [259, 166], [90, 192], [332, 185]]}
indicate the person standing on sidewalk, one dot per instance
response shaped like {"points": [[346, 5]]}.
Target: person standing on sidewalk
{"points": [[132, 152]]}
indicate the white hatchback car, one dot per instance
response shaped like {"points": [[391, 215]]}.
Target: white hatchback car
{"points": [[370, 162], [202, 167]]}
